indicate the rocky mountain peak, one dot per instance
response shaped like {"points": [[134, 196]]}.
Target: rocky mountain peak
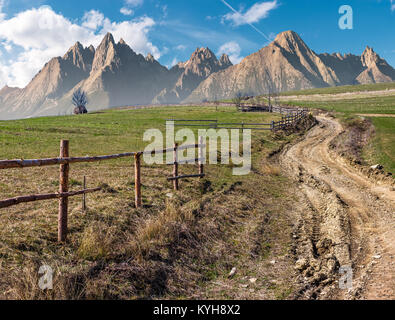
{"points": [[203, 54], [202, 63], [105, 53], [369, 58], [74, 50], [91, 48], [288, 37], [7, 90], [290, 41], [108, 38], [150, 58], [80, 57], [78, 46], [225, 61]]}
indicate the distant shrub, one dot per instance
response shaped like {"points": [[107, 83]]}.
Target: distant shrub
{"points": [[80, 100]]}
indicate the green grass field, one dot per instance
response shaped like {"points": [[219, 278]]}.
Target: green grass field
{"points": [[383, 144], [106, 132], [178, 245], [343, 89], [382, 147], [373, 105]]}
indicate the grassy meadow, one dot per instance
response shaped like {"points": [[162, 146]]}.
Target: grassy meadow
{"points": [[179, 245], [343, 89]]}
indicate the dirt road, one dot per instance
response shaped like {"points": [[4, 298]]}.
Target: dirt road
{"points": [[345, 220]]}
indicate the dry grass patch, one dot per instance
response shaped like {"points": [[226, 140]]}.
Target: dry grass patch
{"points": [[271, 169], [97, 241]]}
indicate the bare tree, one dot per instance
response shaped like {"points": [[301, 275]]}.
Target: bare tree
{"points": [[272, 91], [80, 101], [216, 103], [237, 100]]}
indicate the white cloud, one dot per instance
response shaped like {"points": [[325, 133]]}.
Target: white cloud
{"points": [[181, 47], [35, 36], [233, 50], [126, 11], [392, 5], [7, 47], [173, 62], [257, 12], [93, 20], [134, 3], [41, 29]]}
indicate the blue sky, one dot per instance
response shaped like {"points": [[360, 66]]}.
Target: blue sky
{"points": [[31, 32]]}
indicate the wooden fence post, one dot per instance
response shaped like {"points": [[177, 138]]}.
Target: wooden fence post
{"points": [[175, 168], [84, 197], [137, 179], [201, 156], [63, 188]]}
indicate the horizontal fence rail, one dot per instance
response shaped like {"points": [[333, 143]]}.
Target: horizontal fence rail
{"points": [[214, 124], [39, 197], [19, 163], [64, 162], [186, 176], [291, 116]]}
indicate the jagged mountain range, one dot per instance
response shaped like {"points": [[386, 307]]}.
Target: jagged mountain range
{"points": [[289, 64], [114, 75]]}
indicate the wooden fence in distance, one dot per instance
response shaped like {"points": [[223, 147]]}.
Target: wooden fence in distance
{"points": [[289, 120], [292, 117], [214, 124], [64, 162]]}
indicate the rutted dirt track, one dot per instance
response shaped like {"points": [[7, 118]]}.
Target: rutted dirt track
{"points": [[345, 219]]}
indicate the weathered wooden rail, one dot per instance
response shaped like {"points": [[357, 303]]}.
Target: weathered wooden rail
{"points": [[290, 118], [214, 124], [64, 161], [254, 108], [40, 197], [266, 108]]}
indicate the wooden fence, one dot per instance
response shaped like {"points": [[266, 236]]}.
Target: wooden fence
{"points": [[290, 118], [266, 108], [65, 160], [254, 108], [287, 110], [214, 124]]}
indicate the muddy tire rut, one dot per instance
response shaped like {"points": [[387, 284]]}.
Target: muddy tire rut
{"points": [[344, 220]]}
